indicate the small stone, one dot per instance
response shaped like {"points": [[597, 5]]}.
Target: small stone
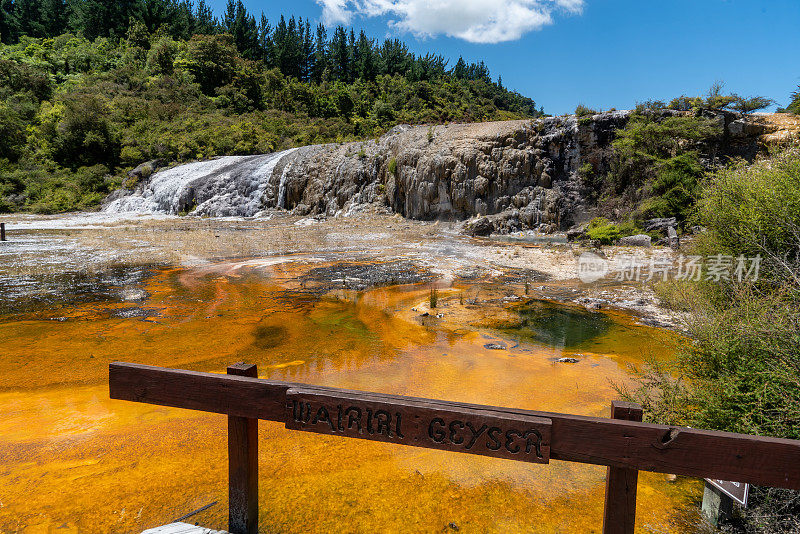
{"points": [[495, 346], [567, 360]]}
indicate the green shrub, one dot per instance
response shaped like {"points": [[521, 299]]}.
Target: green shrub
{"points": [[603, 230], [650, 105], [656, 165], [393, 166], [685, 103], [740, 369], [583, 111], [12, 133], [794, 105], [588, 176], [755, 209]]}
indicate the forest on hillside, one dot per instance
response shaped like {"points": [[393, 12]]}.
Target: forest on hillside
{"points": [[92, 88]]}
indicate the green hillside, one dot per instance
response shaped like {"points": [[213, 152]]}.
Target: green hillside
{"points": [[92, 88]]}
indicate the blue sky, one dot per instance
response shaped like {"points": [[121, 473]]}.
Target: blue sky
{"points": [[602, 53]]}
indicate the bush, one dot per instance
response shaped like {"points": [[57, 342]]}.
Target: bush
{"points": [[211, 59], [794, 106], [740, 371], [12, 133], [393, 166], [755, 209], [603, 230], [84, 135], [656, 164], [583, 111], [685, 103]]}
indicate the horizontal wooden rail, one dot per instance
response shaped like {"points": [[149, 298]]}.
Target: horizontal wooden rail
{"points": [[616, 443]]}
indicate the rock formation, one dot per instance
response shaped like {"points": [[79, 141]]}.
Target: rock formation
{"points": [[518, 174]]}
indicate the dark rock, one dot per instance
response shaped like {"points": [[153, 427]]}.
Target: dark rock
{"points": [[479, 227], [302, 209], [640, 240], [660, 224], [495, 346], [567, 360], [144, 170], [576, 234], [674, 240]]}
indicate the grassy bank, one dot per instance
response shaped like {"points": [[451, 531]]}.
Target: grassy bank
{"points": [[740, 371]]}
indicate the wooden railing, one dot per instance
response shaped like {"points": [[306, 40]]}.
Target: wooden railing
{"points": [[623, 443]]}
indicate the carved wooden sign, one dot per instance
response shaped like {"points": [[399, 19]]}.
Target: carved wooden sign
{"points": [[420, 424]]}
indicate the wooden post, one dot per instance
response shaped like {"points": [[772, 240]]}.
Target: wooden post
{"points": [[2, 231], [717, 507], [619, 516], [242, 465]]}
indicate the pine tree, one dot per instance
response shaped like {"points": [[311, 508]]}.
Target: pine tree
{"points": [[339, 55], [308, 55], [9, 23], [291, 66], [29, 16], [157, 13], [352, 55], [205, 22], [277, 47], [365, 63], [395, 58], [460, 70], [183, 22], [243, 28], [88, 17], [103, 18], [265, 40], [229, 17], [54, 17], [320, 54]]}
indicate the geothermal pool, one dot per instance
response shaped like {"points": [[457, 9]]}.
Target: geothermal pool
{"points": [[71, 460]]}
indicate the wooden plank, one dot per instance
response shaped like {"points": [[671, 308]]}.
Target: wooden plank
{"points": [[420, 424], [242, 465], [628, 444], [619, 514]]}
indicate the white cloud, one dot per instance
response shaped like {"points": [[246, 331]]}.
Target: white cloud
{"points": [[476, 21], [335, 11]]}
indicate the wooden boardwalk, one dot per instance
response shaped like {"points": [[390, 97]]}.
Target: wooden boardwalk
{"points": [[182, 528]]}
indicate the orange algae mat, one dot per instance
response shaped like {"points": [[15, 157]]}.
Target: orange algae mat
{"points": [[71, 460]]}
